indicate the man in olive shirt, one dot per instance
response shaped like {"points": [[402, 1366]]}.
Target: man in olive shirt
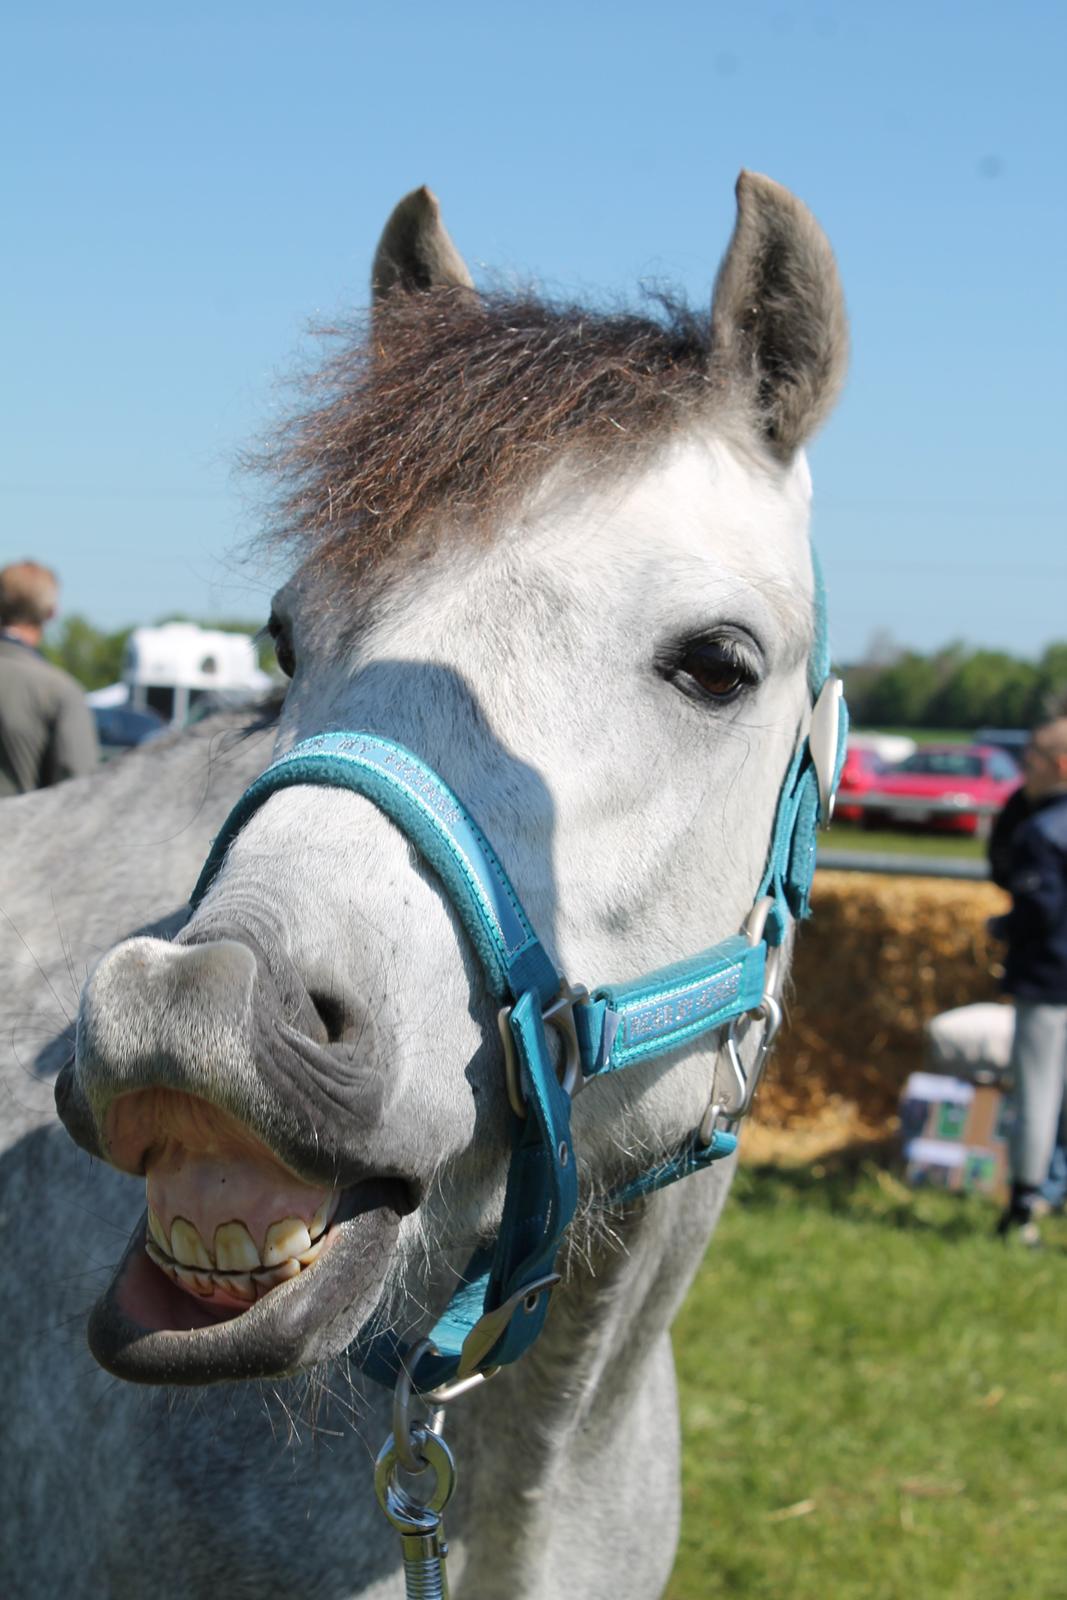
{"points": [[46, 728]]}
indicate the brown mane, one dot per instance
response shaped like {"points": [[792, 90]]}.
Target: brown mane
{"points": [[454, 406]]}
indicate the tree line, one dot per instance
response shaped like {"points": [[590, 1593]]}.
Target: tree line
{"points": [[955, 687], [958, 687]]}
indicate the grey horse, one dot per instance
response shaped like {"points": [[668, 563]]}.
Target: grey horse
{"points": [[564, 557]]}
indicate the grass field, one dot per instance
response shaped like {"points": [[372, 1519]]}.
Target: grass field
{"points": [[903, 841], [874, 1396], [927, 735]]}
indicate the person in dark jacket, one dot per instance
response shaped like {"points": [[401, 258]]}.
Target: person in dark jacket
{"points": [[1014, 811], [46, 728], [1031, 862]]}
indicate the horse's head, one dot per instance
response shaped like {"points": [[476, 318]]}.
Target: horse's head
{"points": [[563, 557]]}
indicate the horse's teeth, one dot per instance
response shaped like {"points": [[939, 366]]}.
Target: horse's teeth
{"points": [[239, 1284], [284, 1240], [276, 1275], [235, 1248], [158, 1232], [288, 1246], [163, 1262], [199, 1282], [187, 1246], [316, 1250]]}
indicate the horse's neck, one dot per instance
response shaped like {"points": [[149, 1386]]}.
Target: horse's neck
{"points": [[593, 1401], [621, 1295]]}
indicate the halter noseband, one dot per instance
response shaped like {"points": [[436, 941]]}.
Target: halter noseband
{"points": [[499, 1308]]}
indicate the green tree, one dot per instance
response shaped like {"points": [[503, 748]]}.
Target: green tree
{"points": [[1050, 694], [901, 695], [959, 688], [87, 653], [986, 686]]}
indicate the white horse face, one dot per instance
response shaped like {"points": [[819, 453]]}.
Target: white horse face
{"points": [[310, 1077], [615, 687]]}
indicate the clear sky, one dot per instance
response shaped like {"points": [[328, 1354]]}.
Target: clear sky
{"points": [[183, 188]]}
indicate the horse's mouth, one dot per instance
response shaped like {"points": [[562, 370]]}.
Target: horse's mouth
{"points": [[232, 1272], [239, 1268], [146, 1329]]}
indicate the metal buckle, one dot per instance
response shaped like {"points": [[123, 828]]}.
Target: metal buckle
{"points": [[433, 1400], [560, 1016], [489, 1327]]}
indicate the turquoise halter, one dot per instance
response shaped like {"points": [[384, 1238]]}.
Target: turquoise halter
{"points": [[499, 1308]]}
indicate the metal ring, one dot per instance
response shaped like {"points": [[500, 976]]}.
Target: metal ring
{"points": [[446, 1392], [405, 1428], [559, 1016], [755, 923], [756, 920], [404, 1511]]}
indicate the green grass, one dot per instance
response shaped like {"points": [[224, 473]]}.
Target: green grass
{"points": [[953, 846], [927, 735], [873, 1393]]}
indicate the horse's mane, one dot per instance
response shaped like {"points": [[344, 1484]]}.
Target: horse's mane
{"points": [[450, 407]]}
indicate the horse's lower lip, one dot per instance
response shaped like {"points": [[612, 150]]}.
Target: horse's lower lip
{"points": [[146, 1330]]}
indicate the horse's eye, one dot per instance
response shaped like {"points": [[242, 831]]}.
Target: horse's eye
{"points": [[714, 668], [283, 645]]}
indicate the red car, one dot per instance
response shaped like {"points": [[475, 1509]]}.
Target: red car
{"points": [[934, 788], [862, 772]]}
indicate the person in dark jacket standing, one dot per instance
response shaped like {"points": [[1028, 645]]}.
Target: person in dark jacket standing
{"points": [[46, 728], [1032, 865]]}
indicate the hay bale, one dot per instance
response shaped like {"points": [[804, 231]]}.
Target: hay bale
{"points": [[880, 956]]}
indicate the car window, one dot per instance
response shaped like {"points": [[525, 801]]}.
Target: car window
{"points": [[944, 763], [1002, 766]]}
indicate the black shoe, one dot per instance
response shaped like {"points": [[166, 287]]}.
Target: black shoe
{"points": [[1017, 1227]]}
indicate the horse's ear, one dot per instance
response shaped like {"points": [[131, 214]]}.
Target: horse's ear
{"points": [[778, 315], [415, 252]]}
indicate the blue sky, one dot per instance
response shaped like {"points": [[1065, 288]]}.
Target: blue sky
{"points": [[185, 188]]}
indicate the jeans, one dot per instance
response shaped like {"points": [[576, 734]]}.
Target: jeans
{"points": [[1054, 1188], [1039, 1068]]}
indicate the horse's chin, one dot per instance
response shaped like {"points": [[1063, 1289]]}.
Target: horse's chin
{"points": [[146, 1329]]}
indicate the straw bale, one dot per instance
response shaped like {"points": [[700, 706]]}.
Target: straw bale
{"points": [[880, 956]]}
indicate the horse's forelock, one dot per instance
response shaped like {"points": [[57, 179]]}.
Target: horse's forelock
{"points": [[454, 407]]}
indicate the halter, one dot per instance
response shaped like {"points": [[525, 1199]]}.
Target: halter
{"points": [[500, 1307]]}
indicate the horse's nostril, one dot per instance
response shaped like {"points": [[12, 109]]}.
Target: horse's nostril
{"points": [[332, 1014]]}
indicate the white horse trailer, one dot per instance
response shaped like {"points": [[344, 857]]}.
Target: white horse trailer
{"points": [[170, 667]]}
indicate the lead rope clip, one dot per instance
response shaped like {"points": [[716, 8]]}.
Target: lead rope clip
{"points": [[726, 1109], [415, 1513], [416, 1449]]}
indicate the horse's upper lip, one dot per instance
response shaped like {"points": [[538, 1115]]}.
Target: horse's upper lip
{"points": [[145, 1330]]}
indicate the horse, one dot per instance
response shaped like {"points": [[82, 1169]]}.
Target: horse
{"points": [[551, 564]]}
